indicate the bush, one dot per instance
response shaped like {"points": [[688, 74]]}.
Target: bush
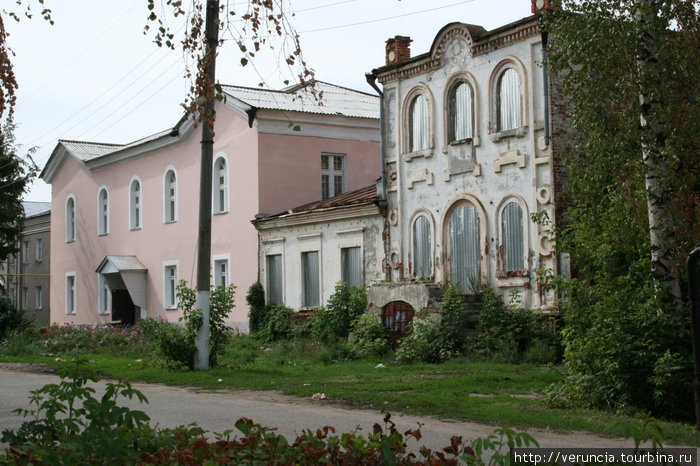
{"points": [[279, 323], [11, 318], [334, 321], [176, 346], [424, 341], [369, 337], [455, 323], [69, 338], [256, 302]]}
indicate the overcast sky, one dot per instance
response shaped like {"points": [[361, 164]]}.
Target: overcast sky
{"points": [[94, 76]]}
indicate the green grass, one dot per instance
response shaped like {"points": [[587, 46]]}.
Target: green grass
{"points": [[496, 394]]}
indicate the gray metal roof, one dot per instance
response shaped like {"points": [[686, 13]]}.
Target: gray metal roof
{"points": [[335, 100], [122, 263], [85, 150], [33, 209]]}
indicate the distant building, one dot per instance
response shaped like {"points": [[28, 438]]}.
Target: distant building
{"points": [[25, 276], [125, 216]]}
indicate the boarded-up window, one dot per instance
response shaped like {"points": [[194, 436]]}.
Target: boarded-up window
{"points": [[461, 112], [509, 100], [351, 266], [418, 124], [274, 279], [464, 247], [309, 270], [421, 247], [513, 238]]}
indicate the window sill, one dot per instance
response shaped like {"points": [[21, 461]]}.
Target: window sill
{"points": [[103, 234], [70, 313], [135, 229], [509, 133], [70, 240], [512, 274], [170, 308], [167, 222], [425, 153], [222, 212]]}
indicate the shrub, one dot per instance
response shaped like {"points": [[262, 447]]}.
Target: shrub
{"points": [[256, 302], [369, 337], [335, 319], [455, 322], [11, 317], [279, 323], [176, 345], [424, 341], [69, 338]]}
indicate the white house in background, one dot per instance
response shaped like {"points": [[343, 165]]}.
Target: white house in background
{"points": [[305, 251]]}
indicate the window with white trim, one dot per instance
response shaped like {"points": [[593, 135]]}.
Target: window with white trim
{"points": [[421, 247], [104, 295], [39, 250], [418, 122], [70, 219], [170, 286], [221, 273], [103, 212], [135, 205], [25, 252], [332, 175], [351, 265], [70, 293], [512, 231], [310, 281], [461, 112], [170, 197], [273, 274], [38, 298], [509, 101], [220, 186]]}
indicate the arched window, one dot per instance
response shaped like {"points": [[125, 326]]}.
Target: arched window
{"points": [[465, 256], [70, 219], [135, 205], [170, 197], [461, 112], [509, 111], [421, 247], [103, 212], [220, 186], [513, 239], [418, 124]]}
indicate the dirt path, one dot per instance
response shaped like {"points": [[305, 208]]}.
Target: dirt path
{"points": [[217, 411]]}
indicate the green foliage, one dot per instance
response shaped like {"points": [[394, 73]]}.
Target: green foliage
{"points": [[369, 338], [11, 318], [69, 338], [256, 302], [178, 345], [334, 321], [621, 353], [496, 447], [16, 174], [278, 324], [70, 424], [424, 341], [455, 322]]}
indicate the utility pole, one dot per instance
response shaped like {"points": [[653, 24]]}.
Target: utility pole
{"points": [[201, 359]]}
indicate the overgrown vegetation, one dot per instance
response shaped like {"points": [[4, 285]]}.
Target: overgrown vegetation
{"points": [[633, 205], [12, 318]]}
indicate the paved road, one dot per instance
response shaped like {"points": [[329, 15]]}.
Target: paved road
{"points": [[218, 411]]}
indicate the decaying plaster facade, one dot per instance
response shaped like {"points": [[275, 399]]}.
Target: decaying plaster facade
{"points": [[476, 190]]}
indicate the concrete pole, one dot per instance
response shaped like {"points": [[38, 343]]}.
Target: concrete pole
{"points": [[201, 359]]}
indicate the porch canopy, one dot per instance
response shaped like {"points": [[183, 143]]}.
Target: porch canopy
{"points": [[125, 273]]}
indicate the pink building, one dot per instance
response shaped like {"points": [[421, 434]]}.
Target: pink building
{"points": [[124, 217]]}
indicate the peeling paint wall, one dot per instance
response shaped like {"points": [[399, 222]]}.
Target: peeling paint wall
{"points": [[488, 171]]}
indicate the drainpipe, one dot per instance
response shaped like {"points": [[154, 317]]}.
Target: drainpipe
{"points": [[545, 79], [372, 81]]}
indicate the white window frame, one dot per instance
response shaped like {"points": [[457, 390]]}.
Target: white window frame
{"points": [[25, 251], [38, 250], [169, 199], [71, 293], [103, 307], [38, 298], [102, 214], [70, 218], [135, 208], [216, 262], [332, 172], [219, 186], [170, 294]]}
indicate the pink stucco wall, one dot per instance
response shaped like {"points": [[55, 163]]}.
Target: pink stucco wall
{"points": [[290, 168], [156, 241]]}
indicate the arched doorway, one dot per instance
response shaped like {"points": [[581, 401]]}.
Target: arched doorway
{"points": [[395, 318]]}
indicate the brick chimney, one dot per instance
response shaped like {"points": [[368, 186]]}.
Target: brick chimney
{"points": [[398, 49]]}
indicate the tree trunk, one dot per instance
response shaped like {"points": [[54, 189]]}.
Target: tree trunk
{"points": [[654, 152]]}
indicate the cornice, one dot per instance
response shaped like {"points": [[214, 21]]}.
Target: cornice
{"points": [[319, 216]]}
